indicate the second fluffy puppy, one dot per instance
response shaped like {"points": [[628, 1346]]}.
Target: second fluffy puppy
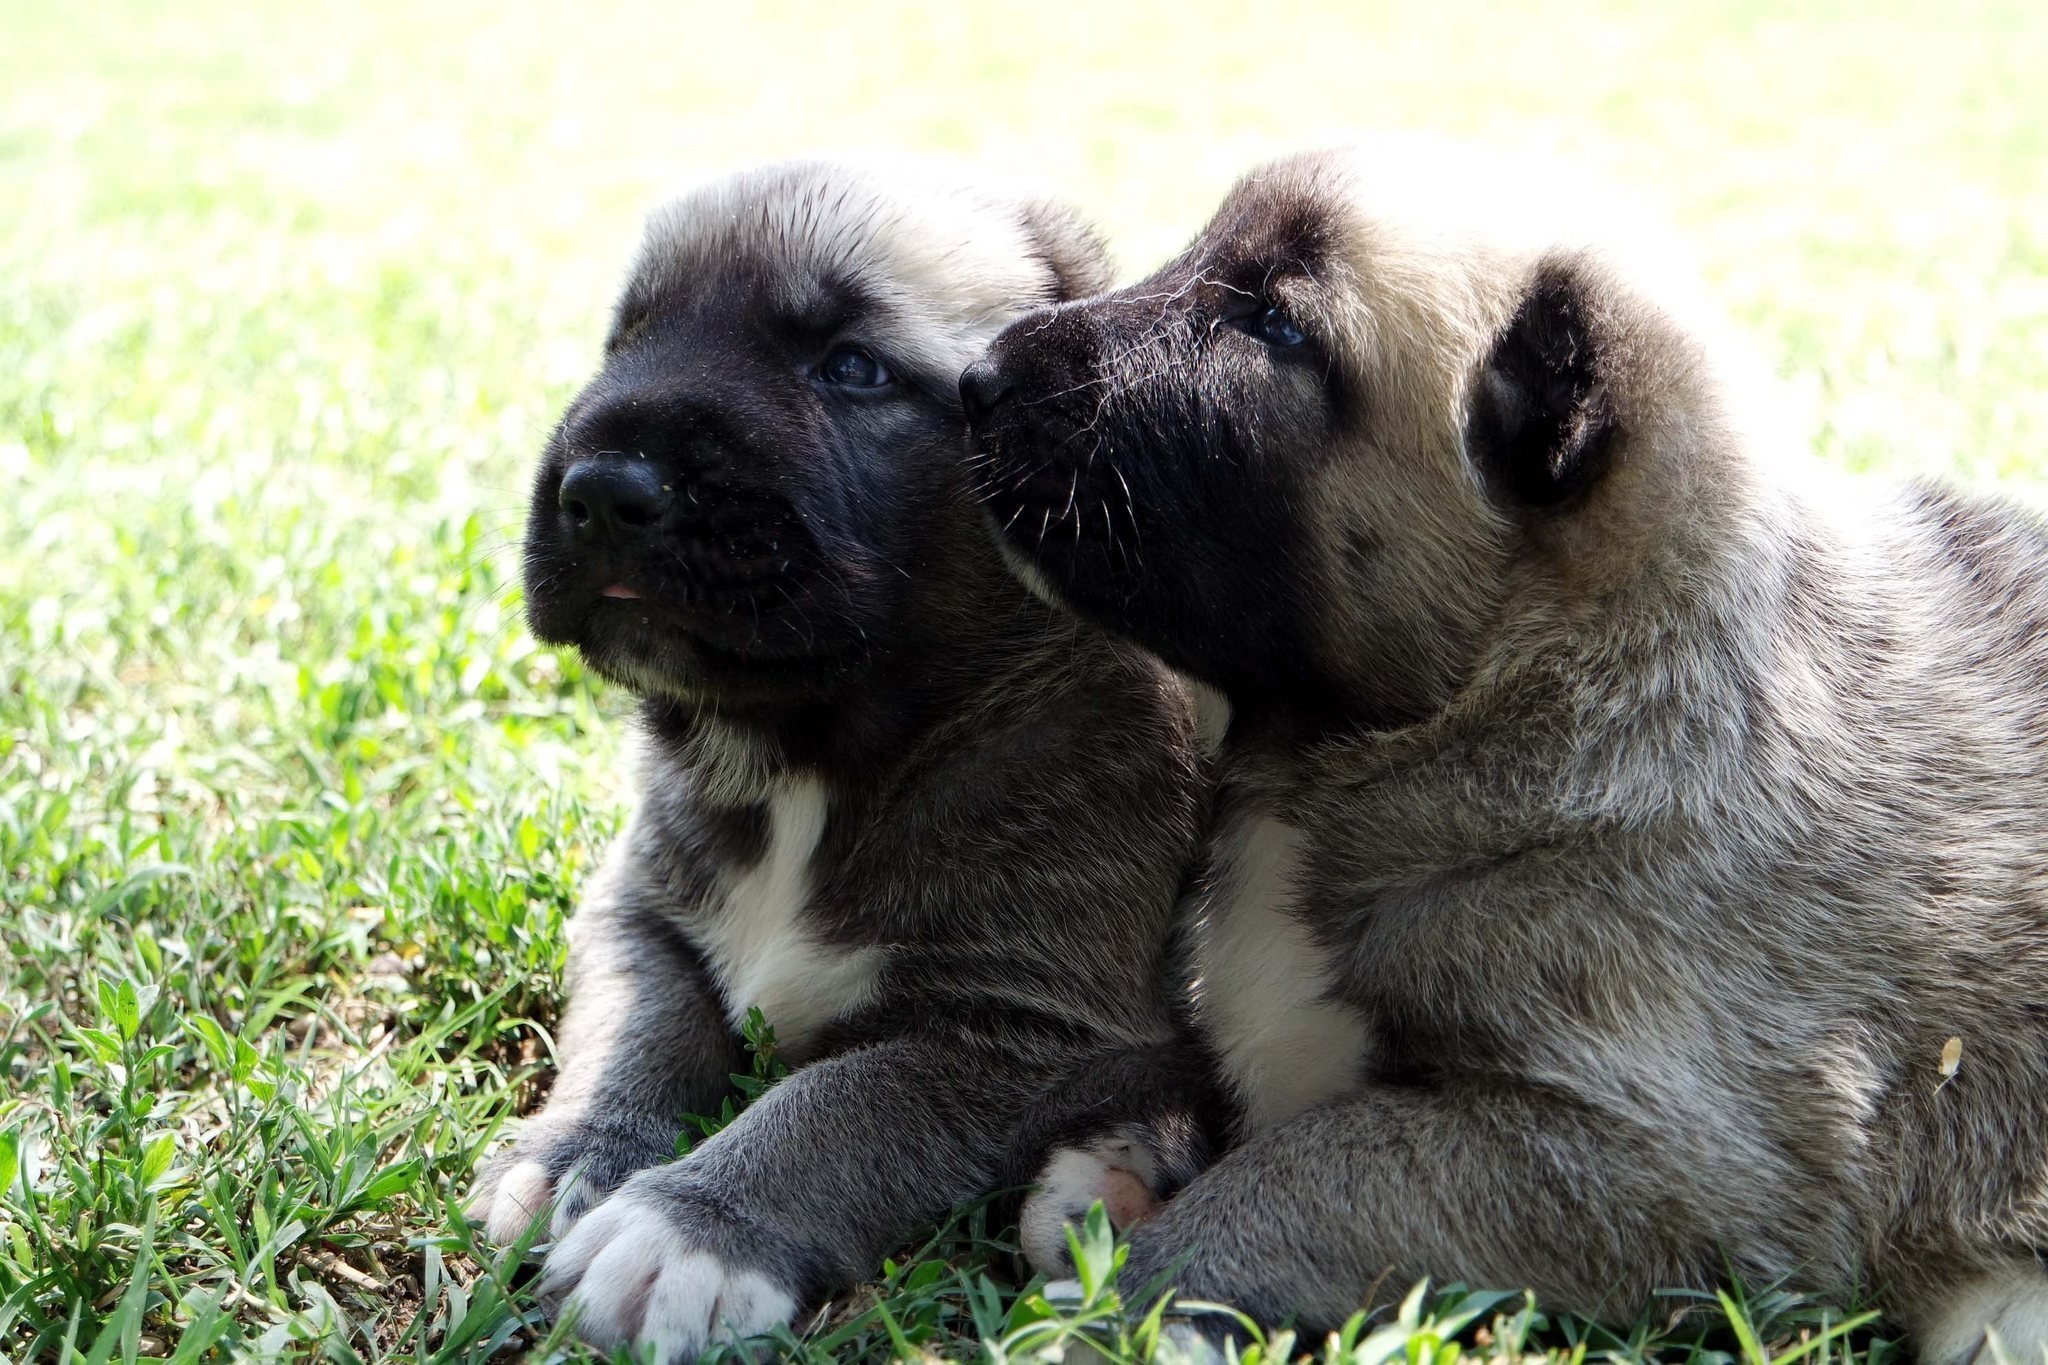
{"points": [[1630, 852]]}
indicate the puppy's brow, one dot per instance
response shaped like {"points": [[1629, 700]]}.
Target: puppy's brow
{"points": [[832, 301]]}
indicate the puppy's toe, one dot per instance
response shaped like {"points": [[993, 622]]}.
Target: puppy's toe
{"points": [[559, 1170], [1115, 1169], [514, 1202], [632, 1274]]}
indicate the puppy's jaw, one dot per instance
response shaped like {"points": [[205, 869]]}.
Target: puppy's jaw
{"points": [[650, 646]]}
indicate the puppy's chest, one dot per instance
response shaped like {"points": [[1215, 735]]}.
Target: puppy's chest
{"points": [[757, 933], [1286, 1042]]}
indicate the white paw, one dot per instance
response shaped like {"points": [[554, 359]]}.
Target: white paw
{"points": [[523, 1196], [1116, 1168], [633, 1277], [514, 1203]]}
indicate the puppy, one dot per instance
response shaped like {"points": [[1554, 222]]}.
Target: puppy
{"points": [[1631, 859], [932, 830]]}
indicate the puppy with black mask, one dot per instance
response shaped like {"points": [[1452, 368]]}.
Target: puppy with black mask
{"points": [[933, 830], [1629, 857]]}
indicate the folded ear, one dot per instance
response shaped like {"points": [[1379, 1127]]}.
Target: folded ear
{"points": [[1541, 423], [1073, 252]]}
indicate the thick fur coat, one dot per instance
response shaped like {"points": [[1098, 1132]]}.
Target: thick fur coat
{"points": [[1620, 824], [933, 830]]}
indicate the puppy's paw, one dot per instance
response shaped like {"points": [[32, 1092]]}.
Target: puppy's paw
{"points": [[558, 1170], [1116, 1168], [659, 1266]]}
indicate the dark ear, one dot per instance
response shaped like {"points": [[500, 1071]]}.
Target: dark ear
{"points": [[1542, 422], [1075, 258]]}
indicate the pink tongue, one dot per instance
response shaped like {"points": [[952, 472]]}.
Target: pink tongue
{"points": [[621, 590]]}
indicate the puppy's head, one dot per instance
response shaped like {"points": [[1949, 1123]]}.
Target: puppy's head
{"points": [[1304, 459], [739, 504]]}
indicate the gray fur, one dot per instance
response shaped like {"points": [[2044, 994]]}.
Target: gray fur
{"points": [[948, 865], [1657, 832]]}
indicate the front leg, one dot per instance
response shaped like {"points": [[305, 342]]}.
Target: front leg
{"points": [[802, 1195], [641, 1044], [1349, 1205]]}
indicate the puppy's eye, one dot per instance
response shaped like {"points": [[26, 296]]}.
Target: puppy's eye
{"points": [[1277, 329], [854, 369]]}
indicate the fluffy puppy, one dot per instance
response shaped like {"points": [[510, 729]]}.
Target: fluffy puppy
{"points": [[932, 830], [1631, 860]]}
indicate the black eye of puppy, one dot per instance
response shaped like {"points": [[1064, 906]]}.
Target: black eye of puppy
{"points": [[1275, 328], [853, 368]]}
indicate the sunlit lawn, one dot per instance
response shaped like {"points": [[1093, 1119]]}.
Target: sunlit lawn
{"points": [[291, 809]]}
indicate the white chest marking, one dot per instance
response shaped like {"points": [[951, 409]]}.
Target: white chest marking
{"points": [[756, 944], [1286, 1046]]}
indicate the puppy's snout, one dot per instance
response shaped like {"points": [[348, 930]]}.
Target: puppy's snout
{"points": [[1047, 352], [609, 499], [983, 385]]}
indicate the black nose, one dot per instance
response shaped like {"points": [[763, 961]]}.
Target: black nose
{"points": [[982, 386], [609, 498]]}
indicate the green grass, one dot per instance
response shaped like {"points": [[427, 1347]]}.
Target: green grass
{"points": [[292, 810]]}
